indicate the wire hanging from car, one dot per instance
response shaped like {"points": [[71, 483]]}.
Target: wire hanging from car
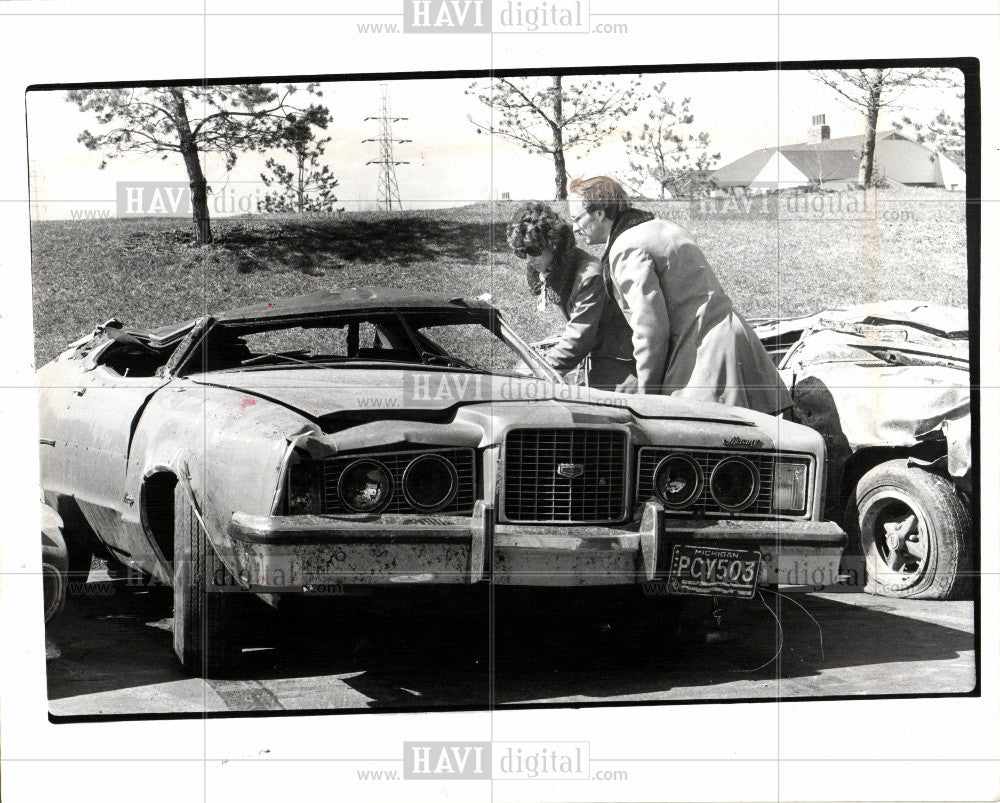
{"points": [[781, 641], [798, 604]]}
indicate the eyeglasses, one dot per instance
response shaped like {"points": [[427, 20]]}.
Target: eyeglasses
{"points": [[532, 251], [578, 218]]}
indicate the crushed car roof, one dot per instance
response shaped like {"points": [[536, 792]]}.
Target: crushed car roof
{"points": [[348, 300], [323, 302], [946, 322]]}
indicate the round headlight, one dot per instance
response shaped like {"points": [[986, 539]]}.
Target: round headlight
{"points": [[430, 482], [677, 480], [365, 486], [734, 483]]}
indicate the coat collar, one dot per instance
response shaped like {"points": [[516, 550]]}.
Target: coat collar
{"points": [[626, 220]]}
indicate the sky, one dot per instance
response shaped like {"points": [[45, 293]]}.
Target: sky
{"points": [[449, 164]]}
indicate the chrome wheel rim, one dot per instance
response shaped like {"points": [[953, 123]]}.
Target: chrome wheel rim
{"points": [[896, 535]]}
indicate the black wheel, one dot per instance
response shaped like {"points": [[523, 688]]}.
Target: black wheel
{"points": [[207, 639], [914, 532], [55, 570]]}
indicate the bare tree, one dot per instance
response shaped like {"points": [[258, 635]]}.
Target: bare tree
{"points": [[869, 91], [552, 116], [666, 150], [191, 120]]}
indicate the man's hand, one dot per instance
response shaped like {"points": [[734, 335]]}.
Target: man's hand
{"points": [[630, 385]]}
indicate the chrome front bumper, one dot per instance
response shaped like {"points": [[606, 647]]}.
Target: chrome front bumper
{"points": [[333, 553]]}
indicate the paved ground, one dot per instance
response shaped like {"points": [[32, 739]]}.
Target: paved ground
{"points": [[111, 653]]}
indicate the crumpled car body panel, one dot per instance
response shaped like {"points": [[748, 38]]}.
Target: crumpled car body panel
{"points": [[888, 375]]}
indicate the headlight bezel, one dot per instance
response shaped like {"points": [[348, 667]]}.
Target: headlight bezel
{"points": [[649, 457]]}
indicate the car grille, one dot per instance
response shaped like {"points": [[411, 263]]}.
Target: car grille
{"points": [[464, 461], [535, 491], [650, 457]]}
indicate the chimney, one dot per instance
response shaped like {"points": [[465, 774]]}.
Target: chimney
{"points": [[819, 130]]}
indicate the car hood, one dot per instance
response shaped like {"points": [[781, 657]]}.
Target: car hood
{"points": [[326, 394], [333, 411]]}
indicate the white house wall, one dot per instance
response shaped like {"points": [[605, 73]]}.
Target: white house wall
{"points": [[952, 176]]}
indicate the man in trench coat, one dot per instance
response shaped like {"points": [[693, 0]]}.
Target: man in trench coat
{"points": [[688, 340]]}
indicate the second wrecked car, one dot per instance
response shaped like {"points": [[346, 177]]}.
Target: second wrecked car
{"points": [[887, 385]]}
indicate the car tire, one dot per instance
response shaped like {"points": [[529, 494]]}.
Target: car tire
{"points": [[207, 636], [55, 572], [914, 532]]}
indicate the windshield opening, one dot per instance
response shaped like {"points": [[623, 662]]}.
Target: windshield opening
{"points": [[446, 339]]}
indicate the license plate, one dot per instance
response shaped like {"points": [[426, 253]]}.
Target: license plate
{"points": [[708, 570]]}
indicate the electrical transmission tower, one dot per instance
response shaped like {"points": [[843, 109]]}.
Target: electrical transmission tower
{"points": [[388, 189], [36, 191]]}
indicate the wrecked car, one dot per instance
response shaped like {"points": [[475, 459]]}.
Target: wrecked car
{"points": [[345, 442], [887, 385]]}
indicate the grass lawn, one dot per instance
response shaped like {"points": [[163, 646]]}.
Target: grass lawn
{"points": [[844, 250]]}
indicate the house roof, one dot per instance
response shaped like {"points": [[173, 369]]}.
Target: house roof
{"points": [[854, 143], [908, 162], [823, 163], [744, 170], [834, 159]]}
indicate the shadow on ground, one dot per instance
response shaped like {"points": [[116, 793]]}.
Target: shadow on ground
{"points": [[314, 247], [427, 653]]}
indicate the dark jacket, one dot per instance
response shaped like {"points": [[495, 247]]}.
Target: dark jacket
{"points": [[595, 326]]}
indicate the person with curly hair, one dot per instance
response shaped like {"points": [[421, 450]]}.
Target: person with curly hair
{"points": [[688, 340], [560, 272]]}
